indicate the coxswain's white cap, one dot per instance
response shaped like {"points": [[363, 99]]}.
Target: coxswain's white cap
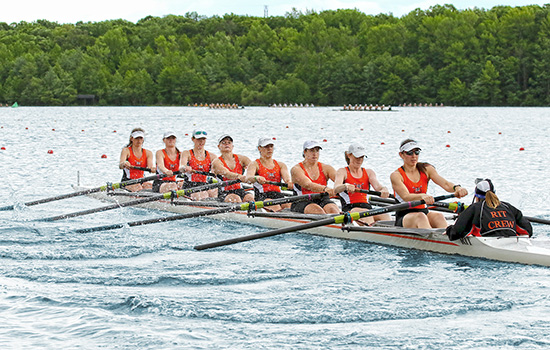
{"points": [[264, 141], [409, 146], [482, 186], [357, 150], [138, 133], [312, 144], [168, 134], [224, 136], [199, 134]]}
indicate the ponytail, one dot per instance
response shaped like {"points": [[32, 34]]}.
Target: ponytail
{"points": [[492, 200]]}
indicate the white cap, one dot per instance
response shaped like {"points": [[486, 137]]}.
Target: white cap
{"points": [[168, 134], [264, 141], [224, 136], [312, 144], [357, 150], [199, 134], [409, 146], [138, 133]]}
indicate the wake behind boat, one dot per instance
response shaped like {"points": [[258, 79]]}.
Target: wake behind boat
{"points": [[522, 250]]}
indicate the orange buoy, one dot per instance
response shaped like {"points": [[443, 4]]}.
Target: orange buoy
{"points": [[103, 156], [403, 130], [287, 126], [50, 151], [448, 131]]}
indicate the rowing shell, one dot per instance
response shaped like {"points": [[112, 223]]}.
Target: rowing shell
{"points": [[522, 250]]}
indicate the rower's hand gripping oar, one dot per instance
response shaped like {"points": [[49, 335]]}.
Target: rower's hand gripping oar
{"points": [[107, 187], [167, 195], [241, 206], [339, 219]]}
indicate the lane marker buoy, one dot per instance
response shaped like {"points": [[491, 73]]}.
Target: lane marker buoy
{"points": [[50, 151], [103, 156]]}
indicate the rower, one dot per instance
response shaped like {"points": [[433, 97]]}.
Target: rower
{"points": [[489, 217], [134, 156], [231, 167], [195, 162], [311, 176], [359, 178], [267, 169], [410, 183], [168, 162]]}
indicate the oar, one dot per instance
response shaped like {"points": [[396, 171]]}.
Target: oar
{"points": [[226, 209], [340, 219], [91, 190], [454, 207], [377, 193], [167, 195]]}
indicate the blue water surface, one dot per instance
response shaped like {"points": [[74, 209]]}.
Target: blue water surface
{"points": [[145, 287]]}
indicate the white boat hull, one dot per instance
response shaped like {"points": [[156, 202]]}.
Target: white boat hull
{"points": [[522, 250]]}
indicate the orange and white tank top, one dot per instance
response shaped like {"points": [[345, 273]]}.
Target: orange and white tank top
{"points": [[361, 183], [173, 165], [273, 174], [238, 169], [414, 187], [199, 165], [321, 180], [135, 161]]}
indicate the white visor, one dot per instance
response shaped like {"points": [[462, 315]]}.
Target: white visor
{"points": [[138, 133], [409, 146]]}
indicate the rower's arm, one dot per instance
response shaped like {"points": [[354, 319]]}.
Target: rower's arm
{"points": [[463, 224], [124, 158], [445, 184], [373, 180], [151, 162], [285, 175]]}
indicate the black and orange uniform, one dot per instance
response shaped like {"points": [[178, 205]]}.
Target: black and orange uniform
{"points": [[172, 165], [413, 187], [261, 192], [204, 165], [130, 174], [235, 188], [356, 199], [298, 190], [481, 220]]}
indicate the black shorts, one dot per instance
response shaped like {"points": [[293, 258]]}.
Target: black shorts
{"points": [[399, 215], [262, 196], [348, 207], [300, 206], [239, 192]]}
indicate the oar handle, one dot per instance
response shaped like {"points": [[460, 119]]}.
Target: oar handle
{"points": [[141, 168], [374, 193]]}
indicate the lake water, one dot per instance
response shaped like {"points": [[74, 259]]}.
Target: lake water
{"points": [[146, 287]]}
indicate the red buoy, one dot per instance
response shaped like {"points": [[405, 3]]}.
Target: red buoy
{"points": [[3, 148], [324, 140], [522, 149], [50, 151], [274, 138], [27, 128], [402, 130], [499, 133], [114, 130], [287, 126], [82, 130], [103, 156], [448, 146], [382, 143], [186, 134], [361, 129], [448, 131], [53, 129]]}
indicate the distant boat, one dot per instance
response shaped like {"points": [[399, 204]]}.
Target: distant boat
{"points": [[14, 105]]}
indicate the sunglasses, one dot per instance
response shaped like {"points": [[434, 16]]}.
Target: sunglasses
{"points": [[200, 133], [410, 153]]}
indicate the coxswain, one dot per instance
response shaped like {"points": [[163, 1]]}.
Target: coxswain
{"points": [[265, 170], [197, 162], [231, 167], [359, 178], [410, 183], [134, 158], [311, 176], [489, 217], [168, 162]]}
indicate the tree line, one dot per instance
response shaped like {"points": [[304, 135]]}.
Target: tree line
{"points": [[497, 57]]}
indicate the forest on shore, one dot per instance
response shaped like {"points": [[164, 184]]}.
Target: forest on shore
{"points": [[473, 57]]}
